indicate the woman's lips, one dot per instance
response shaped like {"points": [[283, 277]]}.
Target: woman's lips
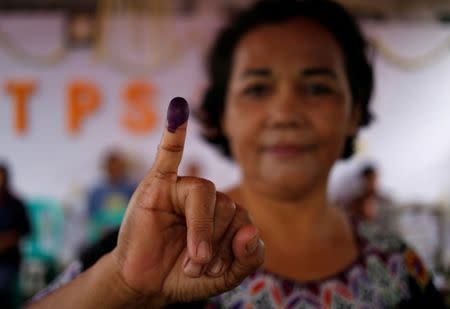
{"points": [[287, 150]]}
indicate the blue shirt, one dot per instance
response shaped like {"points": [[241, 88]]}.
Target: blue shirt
{"points": [[106, 206]]}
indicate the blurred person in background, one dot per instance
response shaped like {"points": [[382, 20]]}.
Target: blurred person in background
{"points": [[14, 224], [108, 200], [290, 86], [363, 208], [370, 203]]}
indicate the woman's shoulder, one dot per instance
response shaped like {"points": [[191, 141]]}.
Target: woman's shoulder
{"points": [[397, 257], [391, 251]]}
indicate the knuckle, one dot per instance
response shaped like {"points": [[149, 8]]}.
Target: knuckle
{"points": [[203, 184], [201, 225], [171, 147], [208, 185], [165, 175], [223, 201], [242, 216], [151, 198]]}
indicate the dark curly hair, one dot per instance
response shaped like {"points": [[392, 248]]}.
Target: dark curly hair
{"points": [[329, 14]]}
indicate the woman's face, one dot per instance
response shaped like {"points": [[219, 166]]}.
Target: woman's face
{"points": [[289, 107]]}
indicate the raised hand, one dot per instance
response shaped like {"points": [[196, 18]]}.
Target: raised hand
{"points": [[181, 240]]}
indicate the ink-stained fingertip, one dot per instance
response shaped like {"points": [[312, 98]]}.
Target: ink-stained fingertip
{"points": [[177, 113]]}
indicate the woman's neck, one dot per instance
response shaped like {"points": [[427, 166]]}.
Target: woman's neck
{"points": [[306, 214], [307, 229]]}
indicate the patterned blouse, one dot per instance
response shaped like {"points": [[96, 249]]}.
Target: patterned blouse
{"points": [[386, 274]]}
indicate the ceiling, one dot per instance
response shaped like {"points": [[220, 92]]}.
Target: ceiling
{"points": [[378, 9]]}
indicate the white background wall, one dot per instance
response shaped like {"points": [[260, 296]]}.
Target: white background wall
{"points": [[409, 141]]}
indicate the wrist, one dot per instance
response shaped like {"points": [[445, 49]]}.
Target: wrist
{"points": [[122, 294]]}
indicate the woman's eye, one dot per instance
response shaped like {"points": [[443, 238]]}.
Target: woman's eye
{"points": [[257, 90], [319, 89]]}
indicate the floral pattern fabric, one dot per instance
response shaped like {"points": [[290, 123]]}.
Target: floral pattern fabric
{"points": [[387, 274]]}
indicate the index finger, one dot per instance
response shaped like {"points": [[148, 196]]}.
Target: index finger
{"points": [[170, 150]]}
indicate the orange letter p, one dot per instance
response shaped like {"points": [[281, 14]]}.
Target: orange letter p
{"points": [[84, 99]]}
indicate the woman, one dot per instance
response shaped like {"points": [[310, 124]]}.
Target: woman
{"points": [[290, 86]]}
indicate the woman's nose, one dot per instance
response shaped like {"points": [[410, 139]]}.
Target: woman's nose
{"points": [[286, 109]]}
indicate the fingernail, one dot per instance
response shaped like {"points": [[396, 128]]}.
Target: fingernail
{"points": [[203, 251], [177, 113], [217, 267], [193, 269], [252, 244]]}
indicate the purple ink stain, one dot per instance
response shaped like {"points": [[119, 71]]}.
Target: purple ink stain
{"points": [[177, 113]]}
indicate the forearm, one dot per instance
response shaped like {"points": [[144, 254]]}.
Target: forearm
{"points": [[99, 287]]}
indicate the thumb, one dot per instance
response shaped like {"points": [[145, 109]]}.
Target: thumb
{"points": [[248, 249]]}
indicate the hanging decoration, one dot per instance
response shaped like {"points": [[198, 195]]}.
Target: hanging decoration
{"points": [[433, 55], [132, 36], [137, 36], [28, 57], [141, 36]]}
